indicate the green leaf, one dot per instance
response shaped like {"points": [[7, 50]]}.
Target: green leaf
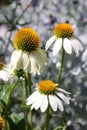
{"points": [[15, 118], [64, 127], [37, 128], [6, 92], [58, 128]]}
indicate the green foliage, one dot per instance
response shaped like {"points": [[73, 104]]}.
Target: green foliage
{"points": [[15, 118], [16, 122], [37, 128], [60, 128], [5, 92], [1, 107], [7, 127]]}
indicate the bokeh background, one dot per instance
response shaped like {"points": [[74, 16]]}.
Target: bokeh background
{"points": [[43, 15]]}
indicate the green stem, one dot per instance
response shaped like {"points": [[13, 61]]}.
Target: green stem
{"points": [[30, 91], [62, 62], [29, 83], [22, 91], [47, 120], [26, 88], [11, 90], [23, 102]]}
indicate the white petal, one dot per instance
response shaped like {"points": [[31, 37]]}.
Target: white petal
{"points": [[44, 104], [77, 46], [50, 41], [59, 103], [57, 46], [63, 97], [16, 55], [42, 56], [32, 98], [53, 102], [33, 65], [16, 59], [37, 61], [67, 46], [38, 101], [4, 75], [25, 57], [64, 91]]}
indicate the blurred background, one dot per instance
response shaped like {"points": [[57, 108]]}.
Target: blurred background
{"points": [[43, 15]]}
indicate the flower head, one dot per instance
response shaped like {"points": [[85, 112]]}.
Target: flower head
{"points": [[26, 40], [47, 93], [64, 34], [3, 72], [63, 30], [28, 55], [1, 123]]}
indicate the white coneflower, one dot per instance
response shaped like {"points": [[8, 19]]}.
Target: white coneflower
{"points": [[47, 93], [64, 34], [28, 55], [3, 72]]}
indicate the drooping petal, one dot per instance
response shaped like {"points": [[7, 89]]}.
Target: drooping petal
{"points": [[16, 55], [67, 46], [40, 59], [77, 46], [32, 98], [59, 103], [44, 104], [42, 56], [16, 59], [33, 65], [63, 91], [53, 102], [50, 41], [63, 97], [38, 101], [57, 46], [25, 57]]}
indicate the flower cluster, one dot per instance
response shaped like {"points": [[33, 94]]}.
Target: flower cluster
{"points": [[29, 59]]}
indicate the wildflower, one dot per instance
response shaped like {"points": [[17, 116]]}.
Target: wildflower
{"points": [[3, 72], [28, 55], [1, 123], [47, 93], [64, 35]]}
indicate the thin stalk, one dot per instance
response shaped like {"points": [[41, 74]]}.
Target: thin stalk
{"points": [[26, 88], [11, 90], [30, 91], [29, 83], [22, 91], [23, 102], [47, 120], [62, 62]]}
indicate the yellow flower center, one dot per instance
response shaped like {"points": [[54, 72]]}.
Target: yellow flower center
{"points": [[1, 123], [1, 65], [63, 30], [47, 87], [26, 39]]}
